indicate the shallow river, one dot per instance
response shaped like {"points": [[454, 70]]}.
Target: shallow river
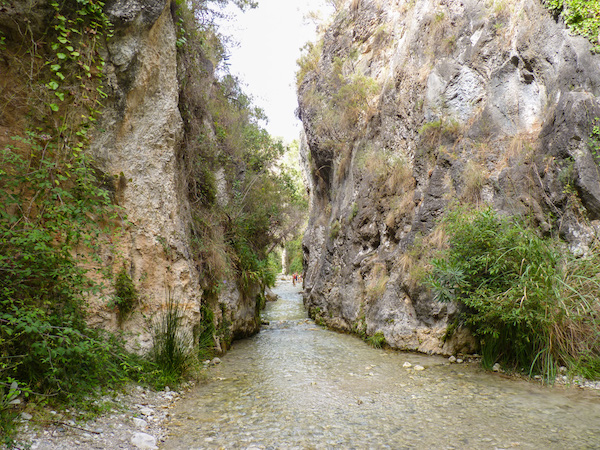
{"points": [[296, 385]]}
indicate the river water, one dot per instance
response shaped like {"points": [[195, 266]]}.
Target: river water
{"points": [[297, 385]]}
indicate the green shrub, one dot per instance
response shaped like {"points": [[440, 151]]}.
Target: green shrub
{"points": [[172, 344], [126, 294], [532, 305], [581, 16], [295, 255]]}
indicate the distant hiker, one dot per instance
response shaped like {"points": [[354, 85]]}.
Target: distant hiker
{"points": [[295, 278]]}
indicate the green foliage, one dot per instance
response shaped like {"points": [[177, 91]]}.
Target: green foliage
{"points": [[233, 234], [172, 344], [274, 261], [53, 214], [377, 340], [126, 295], [594, 142], [353, 211], [581, 16], [532, 306], [9, 393], [224, 328], [351, 99], [335, 229], [206, 334], [295, 255], [308, 61]]}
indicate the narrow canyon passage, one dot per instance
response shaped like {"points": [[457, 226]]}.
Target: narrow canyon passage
{"points": [[297, 385]]}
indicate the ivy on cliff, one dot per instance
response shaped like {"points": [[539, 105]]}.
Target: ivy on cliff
{"points": [[53, 209]]}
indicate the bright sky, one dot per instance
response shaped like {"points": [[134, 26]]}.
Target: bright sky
{"points": [[270, 38]]}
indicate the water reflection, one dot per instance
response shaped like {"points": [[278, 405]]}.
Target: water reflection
{"points": [[296, 385]]}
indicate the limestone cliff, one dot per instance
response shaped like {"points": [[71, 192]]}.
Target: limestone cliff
{"points": [[139, 146], [410, 106]]}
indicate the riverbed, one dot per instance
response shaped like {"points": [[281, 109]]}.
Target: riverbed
{"points": [[298, 385]]}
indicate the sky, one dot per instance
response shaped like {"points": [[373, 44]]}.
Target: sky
{"points": [[269, 41]]}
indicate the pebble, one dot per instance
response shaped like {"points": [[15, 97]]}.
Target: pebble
{"points": [[26, 416], [144, 441], [452, 359], [140, 424], [419, 368], [146, 411], [215, 361], [407, 365], [496, 367], [459, 361]]}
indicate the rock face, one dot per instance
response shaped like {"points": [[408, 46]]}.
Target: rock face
{"points": [[473, 102], [137, 146]]}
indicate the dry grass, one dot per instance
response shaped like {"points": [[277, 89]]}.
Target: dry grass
{"points": [[401, 206], [378, 279], [517, 150], [474, 177]]}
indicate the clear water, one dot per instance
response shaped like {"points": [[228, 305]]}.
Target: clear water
{"points": [[296, 385]]}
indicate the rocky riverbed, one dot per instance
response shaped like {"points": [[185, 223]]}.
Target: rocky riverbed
{"points": [[133, 420]]}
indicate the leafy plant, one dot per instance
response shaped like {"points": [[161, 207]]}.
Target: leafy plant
{"points": [[295, 256], [126, 294], [9, 393], [532, 306], [581, 16]]}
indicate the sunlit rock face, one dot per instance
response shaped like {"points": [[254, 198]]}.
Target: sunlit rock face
{"points": [[477, 102], [136, 145]]}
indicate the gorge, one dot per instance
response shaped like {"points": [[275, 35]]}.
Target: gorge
{"points": [[451, 158]]}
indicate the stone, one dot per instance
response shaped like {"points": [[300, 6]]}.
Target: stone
{"points": [[26, 416], [496, 367], [459, 360], [144, 441], [140, 424], [270, 295], [452, 359], [146, 411], [407, 365], [215, 361], [418, 368]]}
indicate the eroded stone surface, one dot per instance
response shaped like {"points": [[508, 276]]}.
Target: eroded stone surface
{"points": [[479, 103]]}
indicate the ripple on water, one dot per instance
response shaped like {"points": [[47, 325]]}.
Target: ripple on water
{"points": [[295, 385]]}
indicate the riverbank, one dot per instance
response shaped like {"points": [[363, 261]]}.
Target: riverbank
{"points": [[139, 418], [131, 419]]}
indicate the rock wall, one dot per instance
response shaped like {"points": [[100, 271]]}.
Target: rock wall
{"points": [[137, 145], [477, 102]]}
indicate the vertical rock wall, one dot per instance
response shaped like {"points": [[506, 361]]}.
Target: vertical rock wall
{"points": [[136, 145], [479, 103]]}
